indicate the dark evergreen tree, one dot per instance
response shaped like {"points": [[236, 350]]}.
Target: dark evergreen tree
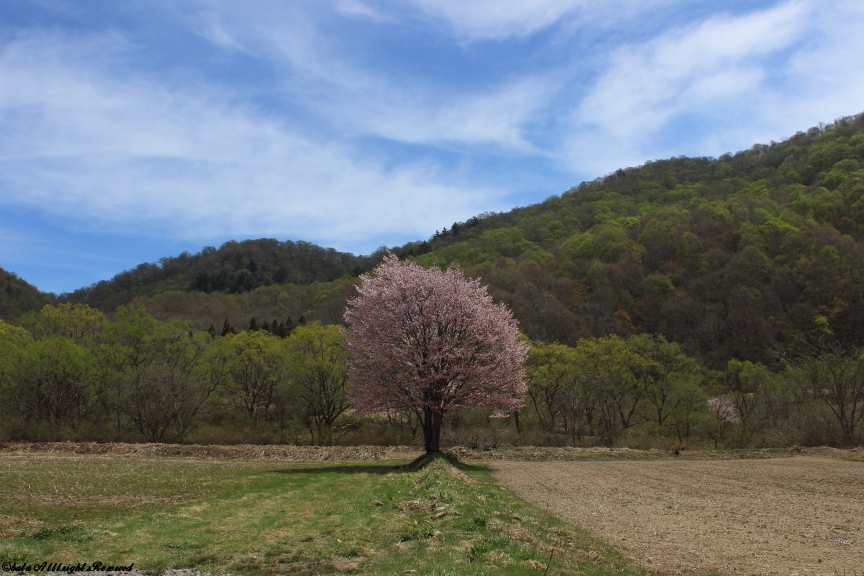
{"points": [[227, 328]]}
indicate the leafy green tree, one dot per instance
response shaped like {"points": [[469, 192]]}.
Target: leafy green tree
{"points": [[255, 368], [667, 378], [745, 384], [13, 342], [553, 376], [80, 323], [55, 381], [157, 378], [686, 407], [613, 373], [834, 374], [318, 371]]}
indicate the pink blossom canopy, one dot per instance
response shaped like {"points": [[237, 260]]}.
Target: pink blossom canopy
{"points": [[432, 340]]}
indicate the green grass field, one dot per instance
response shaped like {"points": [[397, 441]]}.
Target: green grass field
{"points": [[252, 517]]}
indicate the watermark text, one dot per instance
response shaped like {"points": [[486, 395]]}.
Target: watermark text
{"points": [[63, 567]]}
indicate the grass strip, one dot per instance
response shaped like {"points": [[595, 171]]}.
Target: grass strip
{"points": [[431, 517]]}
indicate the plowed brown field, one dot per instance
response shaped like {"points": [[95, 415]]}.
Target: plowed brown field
{"points": [[800, 515]]}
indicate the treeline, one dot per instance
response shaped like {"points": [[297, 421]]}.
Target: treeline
{"points": [[647, 392], [321, 301], [70, 372]]}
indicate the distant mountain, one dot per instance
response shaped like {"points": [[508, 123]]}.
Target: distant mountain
{"points": [[18, 297], [233, 268], [732, 257]]}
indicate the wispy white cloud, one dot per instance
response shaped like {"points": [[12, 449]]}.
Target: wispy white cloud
{"points": [[136, 156], [495, 119], [824, 76], [737, 79], [648, 82], [361, 9], [325, 77], [504, 19], [484, 19]]}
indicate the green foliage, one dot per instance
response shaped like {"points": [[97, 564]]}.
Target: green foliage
{"points": [[78, 322], [834, 374], [556, 388], [254, 368], [54, 380], [158, 376], [318, 373]]}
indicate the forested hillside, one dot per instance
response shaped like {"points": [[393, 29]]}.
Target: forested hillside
{"points": [[732, 257]]}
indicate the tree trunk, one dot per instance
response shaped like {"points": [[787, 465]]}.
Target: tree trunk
{"points": [[432, 430]]}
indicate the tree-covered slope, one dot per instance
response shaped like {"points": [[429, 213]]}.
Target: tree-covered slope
{"points": [[733, 257], [18, 297]]}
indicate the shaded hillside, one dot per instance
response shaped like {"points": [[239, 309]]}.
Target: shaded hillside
{"points": [[233, 268], [322, 301], [18, 297]]}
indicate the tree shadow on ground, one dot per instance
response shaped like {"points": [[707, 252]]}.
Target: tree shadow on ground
{"points": [[384, 468]]}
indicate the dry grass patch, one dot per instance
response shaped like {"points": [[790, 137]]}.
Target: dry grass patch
{"points": [[205, 452]]}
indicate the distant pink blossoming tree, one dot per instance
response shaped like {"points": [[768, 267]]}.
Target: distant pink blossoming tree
{"points": [[432, 341], [724, 409]]}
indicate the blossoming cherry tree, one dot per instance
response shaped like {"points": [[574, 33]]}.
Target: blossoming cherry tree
{"points": [[431, 341]]}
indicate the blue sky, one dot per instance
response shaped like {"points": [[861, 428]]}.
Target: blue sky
{"points": [[135, 130]]}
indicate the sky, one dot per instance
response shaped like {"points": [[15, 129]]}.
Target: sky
{"points": [[136, 130]]}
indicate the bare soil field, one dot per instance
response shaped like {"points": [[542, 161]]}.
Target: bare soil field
{"points": [[801, 515]]}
